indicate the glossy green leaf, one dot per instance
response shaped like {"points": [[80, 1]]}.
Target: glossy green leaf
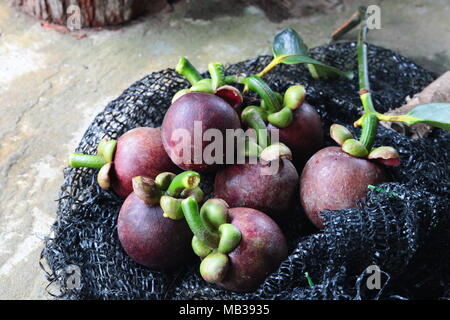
{"points": [[288, 42], [289, 48], [436, 114]]}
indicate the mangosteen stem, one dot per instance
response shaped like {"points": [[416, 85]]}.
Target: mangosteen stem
{"points": [[254, 120], [271, 65], [77, 160], [217, 73], [256, 84], [186, 69], [195, 223], [369, 122], [185, 180], [235, 78]]}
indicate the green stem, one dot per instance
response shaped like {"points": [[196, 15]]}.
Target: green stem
{"points": [[369, 121], [185, 180], [282, 118], [217, 73], [271, 65], [77, 160], [256, 84], [186, 69], [254, 120], [195, 223], [369, 130], [235, 78]]}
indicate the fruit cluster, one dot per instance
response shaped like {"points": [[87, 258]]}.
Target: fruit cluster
{"points": [[164, 219]]}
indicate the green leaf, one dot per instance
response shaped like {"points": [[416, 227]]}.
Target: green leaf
{"points": [[323, 70], [436, 114], [287, 43], [289, 48]]}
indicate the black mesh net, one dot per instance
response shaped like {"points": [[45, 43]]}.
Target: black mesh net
{"points": [[407, 237]]}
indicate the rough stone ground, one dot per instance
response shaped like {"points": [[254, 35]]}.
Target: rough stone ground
{"points": [[52, 85]]}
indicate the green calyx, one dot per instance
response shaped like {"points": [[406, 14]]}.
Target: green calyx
{"points": [[204, 85], [276, 151], [104, 176], [251, 148], [164, 179], [107, 149], [179, 94], [230, 236], [282, 118], [200, 249], [355, 148], [168, 190], [260, 110], [214, 213], [294, 97], [171, 207], [147, 190], [214, 237], [340, 133], [214, 267], [275, 108]]}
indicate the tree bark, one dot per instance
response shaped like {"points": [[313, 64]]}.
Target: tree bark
{"points": [[92, 13]]}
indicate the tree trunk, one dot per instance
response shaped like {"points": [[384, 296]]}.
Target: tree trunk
{"points": [[88, 13]]}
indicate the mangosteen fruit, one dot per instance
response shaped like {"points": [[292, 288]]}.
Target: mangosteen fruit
{"points": [[332, 180], [247, 185], [150, 225], [239, 247], [184, 124]]}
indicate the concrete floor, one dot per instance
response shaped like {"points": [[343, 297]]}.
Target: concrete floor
{"points": [[52, 85]]}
